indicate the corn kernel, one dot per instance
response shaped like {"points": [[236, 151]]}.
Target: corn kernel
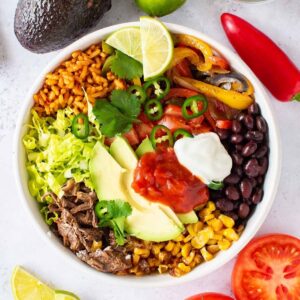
{"points": [[170, 246], [206, 255], [184, 268], [224, 244], [135, 259], [212, 242], [202, 237], [96, 245], [190, 229], [176, 249], [142, 252], [179, 238], [186, 249], [213, 249], [156, 249], [209, 217], [218, 237], [211, 206], [227, 221], [188, 238], [162, 269], [204, 212], [197, 226], [230, 234], [188, 260], [216, 224]]}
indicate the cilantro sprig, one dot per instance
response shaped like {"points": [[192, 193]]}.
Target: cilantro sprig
{"points": [[112, 214], [116, 116], [126, 67]]}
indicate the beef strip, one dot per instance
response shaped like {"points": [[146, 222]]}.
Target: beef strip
{"points": [[107, 260]]}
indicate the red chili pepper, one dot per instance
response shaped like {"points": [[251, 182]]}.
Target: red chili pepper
{"points": [[271, 65]]}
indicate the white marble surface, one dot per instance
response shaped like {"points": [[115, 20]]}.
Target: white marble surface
{"points": [[20, 244]]}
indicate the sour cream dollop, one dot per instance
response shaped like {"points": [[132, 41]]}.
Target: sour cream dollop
{"points": [[204, 156]]}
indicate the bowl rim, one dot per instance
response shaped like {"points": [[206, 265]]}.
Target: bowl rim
{"points": [[151, 280]]}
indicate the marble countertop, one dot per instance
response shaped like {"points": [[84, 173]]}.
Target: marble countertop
{"points": [[20, 243]]}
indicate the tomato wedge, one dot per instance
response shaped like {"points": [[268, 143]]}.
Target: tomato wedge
{"points": [[268, 269], [210, 296]]}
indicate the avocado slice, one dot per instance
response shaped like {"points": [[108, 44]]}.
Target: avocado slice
{"points": [[144, 147], [188, 218], [110, 183], [43, 26]]}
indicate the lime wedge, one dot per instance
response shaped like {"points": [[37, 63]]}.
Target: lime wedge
{"points": [[157, 47], [128, 41], [65, 295], [27, 287]]}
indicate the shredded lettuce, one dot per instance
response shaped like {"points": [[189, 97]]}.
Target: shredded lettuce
{"points": [[54, 154]]}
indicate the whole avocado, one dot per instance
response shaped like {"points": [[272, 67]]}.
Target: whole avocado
{"points": [[46, 25], [159, 8]]}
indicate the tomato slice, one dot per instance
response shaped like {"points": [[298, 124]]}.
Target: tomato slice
{"points": [[210, 296], [268, 269]]}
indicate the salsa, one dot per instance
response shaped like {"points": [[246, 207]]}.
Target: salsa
{"points": [[159, 177]]}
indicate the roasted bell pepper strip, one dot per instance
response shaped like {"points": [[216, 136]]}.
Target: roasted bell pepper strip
{"points": [[181, 53], [153, 110], [166, 137], [231, 98], [80, 126], [180, 93], [204, 48], [271, 65], [192, 104], [139, 92], [158, 87], [181, 133]]}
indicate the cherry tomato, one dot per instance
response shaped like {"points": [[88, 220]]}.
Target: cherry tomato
{"points": [[268, 268], [210, 296]]}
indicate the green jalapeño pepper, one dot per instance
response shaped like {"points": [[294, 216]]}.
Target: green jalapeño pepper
{"points": [[153, 110], [80, 126], [161, 134], [179, 133], [216, 185], [139, 92], [157, 88], [190, 108]]}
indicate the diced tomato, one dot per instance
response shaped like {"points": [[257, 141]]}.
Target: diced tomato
{"points": [[210, 296], [143, 130], [224, 124], [174, 122], [161, 178], [132, 137], [173, 110], [210, 119], [268, 268], [183, 68], [108, 141], [180, 93], [220, 62]]}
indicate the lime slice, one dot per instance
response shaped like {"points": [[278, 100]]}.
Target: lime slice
{"points": [[27, 287], [128, 41], [65, 295], [157, 47]]}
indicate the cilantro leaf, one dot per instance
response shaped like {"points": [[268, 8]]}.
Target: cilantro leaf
{"points": [[112, 214], [117, 116], [126, 67], [126, 102]]}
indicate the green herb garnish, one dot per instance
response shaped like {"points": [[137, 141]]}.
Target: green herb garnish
{"points": [[112, 213]]}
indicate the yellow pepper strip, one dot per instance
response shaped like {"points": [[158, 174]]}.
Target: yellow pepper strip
{"points": [[250, 90], [191, 41], [231, 98], [137, 81], [181, 53]]}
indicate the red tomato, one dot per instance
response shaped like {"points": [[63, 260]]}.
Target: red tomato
{"points": [[174, 123], [173, 110], [161, 178], [268, 269], [224, 124], [183, 68], [180, 93], [210, 296], [132, 137], [143, 130]]}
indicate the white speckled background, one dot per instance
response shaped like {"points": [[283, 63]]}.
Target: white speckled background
{"points": [[20, 244]]}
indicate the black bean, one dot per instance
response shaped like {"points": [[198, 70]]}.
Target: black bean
{"points": [[232, 193], [222, 133], [236, 138], [252, 168], [264, 164], [260, 179], [253, 182], [237, 158], [246, 188], [262, 151], [257, 196], [224, 205], [241, 116], [232, 179], [238, 148], [236, 126], [244, 210], [261, 124], [239, 171], [232, 215], [255, 135], [249, 121], [253, 109], [249, 149]]}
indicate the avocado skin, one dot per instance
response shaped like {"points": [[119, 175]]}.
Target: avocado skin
{"points": [[46, 25]]}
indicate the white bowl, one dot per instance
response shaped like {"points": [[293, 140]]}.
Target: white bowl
{"points": [[222, 258]]}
